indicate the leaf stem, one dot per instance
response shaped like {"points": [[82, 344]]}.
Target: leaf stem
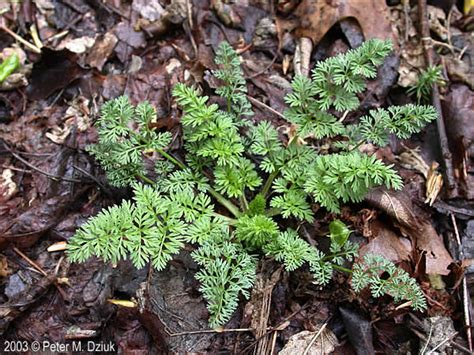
{"points": [[231, 221], [341, 268], [221, 199], [272, 212], [146, 179], [171, 159], [244, 202], [357, 145], [269, 182], [225, 202]]}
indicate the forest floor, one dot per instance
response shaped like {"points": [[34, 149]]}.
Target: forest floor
{"points": [[75, 55]]}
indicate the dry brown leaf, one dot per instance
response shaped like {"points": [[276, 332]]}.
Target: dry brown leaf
{"points": [[3, 266], [8, 187], [323, 343], [412, 159], [399, 206], [387, 244], [101, 51], [315, 18]]}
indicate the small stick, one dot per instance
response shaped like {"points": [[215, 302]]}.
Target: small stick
{"points": [[443, 342], [443, 138], [35, 37], [27, 44], [205, 331], [29, 261], [314, 338], [51, 176], [465, 291], [262, 105]]}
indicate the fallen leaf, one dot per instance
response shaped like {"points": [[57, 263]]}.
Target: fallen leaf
{"points": [[318, 342], [101, 51], [3, 266], [77, 45], [148, 9], [459, 115], [315, 18], [387, 244], [8, 187], [59, 246], [54, 71], [399, 206]]}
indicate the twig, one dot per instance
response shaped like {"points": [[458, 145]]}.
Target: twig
{"points": [[314, 338], [262, 105], [442, 343], [465, 291], [28, 164], [428, 340], [418, 323], [266, 68], [443, 139], [27, 44], [38, 268], [29, 261], [206, 331]]}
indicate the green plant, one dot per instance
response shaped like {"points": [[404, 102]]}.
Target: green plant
{"points": [[240, 180], [8, 66], [426, 79]]}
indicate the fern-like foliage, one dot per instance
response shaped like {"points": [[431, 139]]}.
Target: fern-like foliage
{"points": [[397, 284], [234, 89], [402, 121], [428, 77], [125, 137], [347, 177], [239, 179], [226, 271]]}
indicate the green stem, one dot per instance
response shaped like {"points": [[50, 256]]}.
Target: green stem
{"points": [[146, 179], [225, 202], [341, 268], [269, 182], [357, 145], [229, 220], [171, 159], [221, 199], [332, 256], [272, 212], [244, 202]]}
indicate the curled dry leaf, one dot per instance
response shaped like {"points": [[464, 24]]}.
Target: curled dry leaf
{"points": [[412, 159], [399, 207], [8, 187]]}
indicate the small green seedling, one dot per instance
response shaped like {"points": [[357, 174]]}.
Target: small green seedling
{"points": [[423, 87]]}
